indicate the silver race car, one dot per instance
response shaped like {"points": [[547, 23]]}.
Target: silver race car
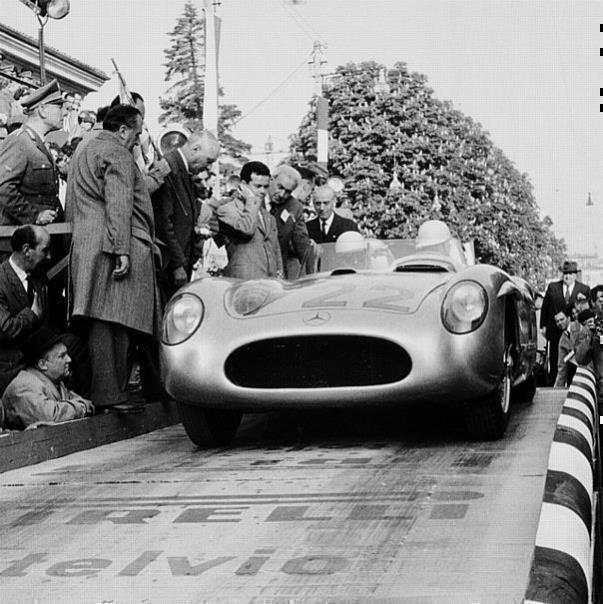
{"points": [[380, 323]]}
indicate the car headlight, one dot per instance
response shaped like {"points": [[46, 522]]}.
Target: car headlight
{"points": [[464, 307], [182, 318], [250, 297]]}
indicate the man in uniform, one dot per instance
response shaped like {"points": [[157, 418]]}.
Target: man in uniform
{"points": [[29, 184]]}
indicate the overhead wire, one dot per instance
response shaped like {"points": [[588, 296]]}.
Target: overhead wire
{"points": [[272, 92]]}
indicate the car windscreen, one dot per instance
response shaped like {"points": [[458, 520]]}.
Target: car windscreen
{"points": [[400, 255]]}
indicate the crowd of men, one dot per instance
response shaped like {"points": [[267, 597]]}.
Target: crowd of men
{"points": [[138, 229], [571, 320]]}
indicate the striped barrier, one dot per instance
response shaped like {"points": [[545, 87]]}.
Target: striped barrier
{"points": [[562, 569]]}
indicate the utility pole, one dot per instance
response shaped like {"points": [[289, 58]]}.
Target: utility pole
{"points": [[319, 67], [210, 89]]}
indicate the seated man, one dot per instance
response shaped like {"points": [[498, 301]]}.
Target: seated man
{"points": [[38, 393]]}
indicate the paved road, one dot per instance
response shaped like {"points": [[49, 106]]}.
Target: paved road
{"points": [[349, 507]]}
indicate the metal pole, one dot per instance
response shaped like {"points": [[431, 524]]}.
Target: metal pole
{"points": [[41, 53]]}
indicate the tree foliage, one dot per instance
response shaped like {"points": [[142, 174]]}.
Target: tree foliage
{"points": [[446, 164], [184, 68]]}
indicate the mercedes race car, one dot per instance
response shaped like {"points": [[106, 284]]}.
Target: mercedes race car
{"points": [[381, 323]]}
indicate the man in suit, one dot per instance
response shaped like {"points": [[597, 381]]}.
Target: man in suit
{"points": [[112, 264], [22, 297], [251, 232], [327, 225], [177, 209], [38, 393], [296, 247], [560, 295]]}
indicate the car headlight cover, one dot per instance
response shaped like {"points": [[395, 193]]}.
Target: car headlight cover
{"points": [[253, 295], [464, 307], [182, 318]]}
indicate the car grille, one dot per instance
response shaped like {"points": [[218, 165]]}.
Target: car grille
{"points": [[317, 362]]}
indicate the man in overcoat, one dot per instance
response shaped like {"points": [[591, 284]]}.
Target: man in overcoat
{"points": [[177, 209], [560, 295], [112, 254]]}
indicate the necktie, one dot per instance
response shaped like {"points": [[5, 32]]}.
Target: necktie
{"points": [[567, 295], [324, 227], [30, 291]]}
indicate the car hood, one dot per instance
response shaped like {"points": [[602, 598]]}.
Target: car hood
{"points": [[392, 292]]}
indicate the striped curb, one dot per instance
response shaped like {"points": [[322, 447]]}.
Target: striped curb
{"points": [[562, 568]]}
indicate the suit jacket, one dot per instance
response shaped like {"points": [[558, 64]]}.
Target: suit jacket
{"points": [[293, 237], [28, 178], [338, 226], [176, 212], [112, 214], [554, 302], [17, 320], [252, 244], [32, 397]]}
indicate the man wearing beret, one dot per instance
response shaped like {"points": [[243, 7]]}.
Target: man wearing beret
{"points": [[560, 295], [38, 392], [29, 184]]}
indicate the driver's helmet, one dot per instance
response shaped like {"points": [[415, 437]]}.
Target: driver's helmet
{"points": [[433, 236], [350, 241], [350, 249]]}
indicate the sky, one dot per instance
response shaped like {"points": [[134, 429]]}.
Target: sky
{"points": [[528, 70]]}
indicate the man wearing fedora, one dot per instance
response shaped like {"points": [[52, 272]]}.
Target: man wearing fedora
{"points": [[560, 296], [38, 392]]}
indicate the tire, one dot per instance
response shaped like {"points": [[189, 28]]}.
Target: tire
{"points": [[486, 418], [525, 392], [209, 427]]}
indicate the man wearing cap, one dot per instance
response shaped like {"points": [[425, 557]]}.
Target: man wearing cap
{"points": [[38, 392], [28, 177], [328, 225], [560, 295]]}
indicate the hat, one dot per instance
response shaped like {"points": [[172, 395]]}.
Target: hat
{"points": [[585, 314], [569, 266], [46, 95], [39, 342]]}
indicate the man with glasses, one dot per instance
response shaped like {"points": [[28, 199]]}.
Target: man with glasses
{"points": [[29, 183], [177, 209]]}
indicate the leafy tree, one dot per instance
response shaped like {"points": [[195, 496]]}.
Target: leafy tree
{"points": [[184, 103], [446, 165]]}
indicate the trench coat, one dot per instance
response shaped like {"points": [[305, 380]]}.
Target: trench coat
{"points": [[111, 211]]}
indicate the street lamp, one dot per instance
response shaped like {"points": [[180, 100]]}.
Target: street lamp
{"points": [[45, 9]]}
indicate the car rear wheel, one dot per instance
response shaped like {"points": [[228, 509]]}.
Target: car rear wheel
{"points": [[209, 427], [486, 418]]}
